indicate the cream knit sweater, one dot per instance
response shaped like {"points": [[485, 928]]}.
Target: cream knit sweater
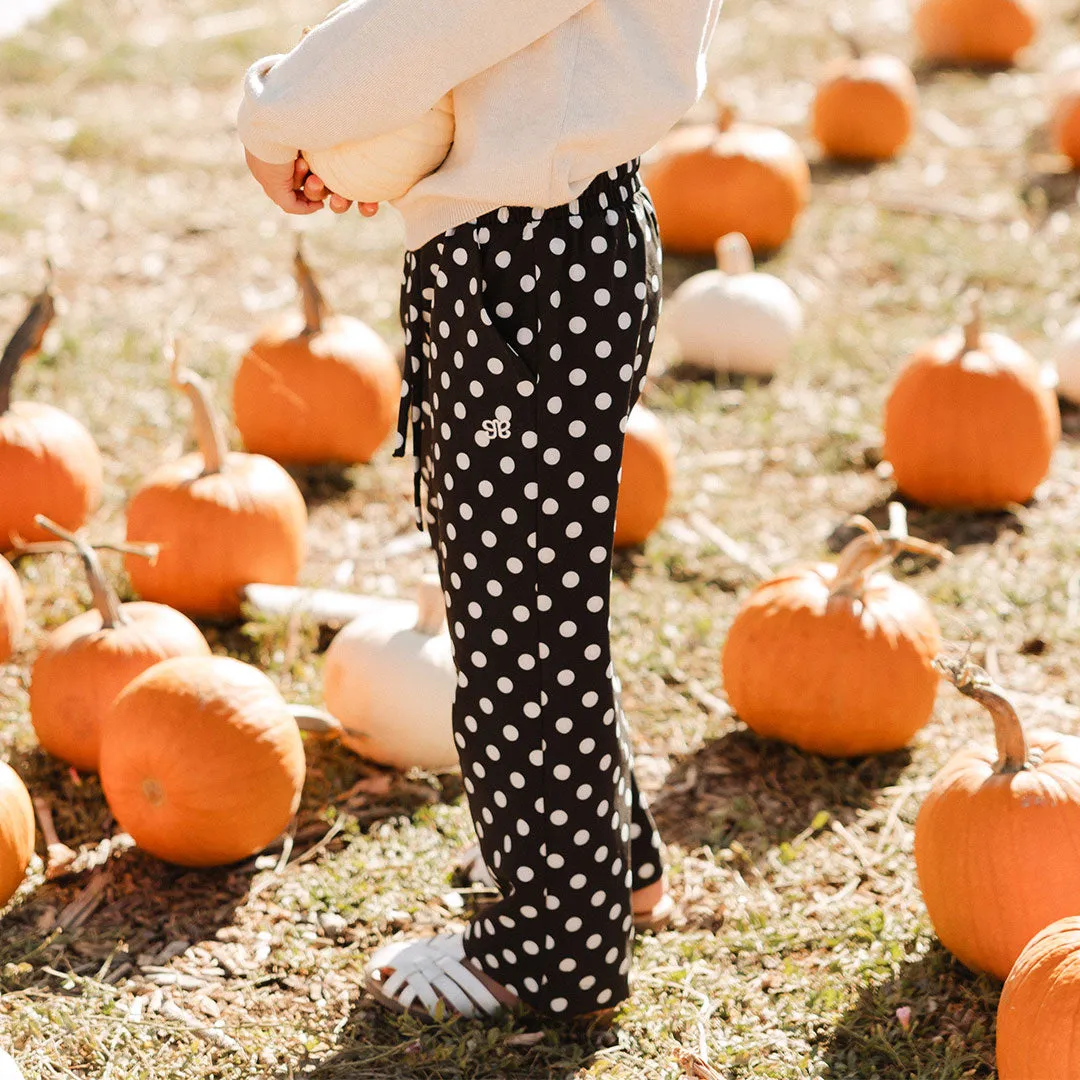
{"points": [[547, 93]]}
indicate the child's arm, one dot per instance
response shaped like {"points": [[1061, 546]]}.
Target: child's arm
{"points": [[377, 65]]}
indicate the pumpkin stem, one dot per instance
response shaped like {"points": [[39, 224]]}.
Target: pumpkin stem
{"points": [[973, 326], [973, 682], [105, 599], [431, 616], [733, 254], [208, 431], [27, 338], [315, 306], [868, 553], [725, 111]]}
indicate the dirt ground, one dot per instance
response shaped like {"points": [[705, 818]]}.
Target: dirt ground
{"points": [[802, 948]]}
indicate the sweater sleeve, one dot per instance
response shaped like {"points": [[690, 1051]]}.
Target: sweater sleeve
{"points": [[377, 65]]}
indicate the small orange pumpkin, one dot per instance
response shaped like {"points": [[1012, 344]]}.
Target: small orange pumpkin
{"points": [[1039, 1009], [201, 760], [712, 179], [836, 659], [995, 839], [86, 662], [648, 468], [12, 609], [220, 520], [1065, 120], [864, 107], [974, 31], [971, 421], [48, 461], [16, 831], [315, 387]]}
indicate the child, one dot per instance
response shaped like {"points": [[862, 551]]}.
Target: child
{"points": [[529, 304]]}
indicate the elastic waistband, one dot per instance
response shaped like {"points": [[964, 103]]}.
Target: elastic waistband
{"points": [[612, 188]]}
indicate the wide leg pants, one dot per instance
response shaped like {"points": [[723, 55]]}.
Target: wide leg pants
{"points": [[528, 334]]}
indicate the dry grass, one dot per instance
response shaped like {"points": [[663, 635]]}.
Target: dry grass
{"points": [[802, 930]]}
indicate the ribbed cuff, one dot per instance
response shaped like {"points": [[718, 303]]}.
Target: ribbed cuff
{"points": [[247, 124]]}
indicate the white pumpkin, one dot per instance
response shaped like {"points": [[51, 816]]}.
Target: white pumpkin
{"points": [[734, 318], [1067, 361], [389, 678], [385, 167], [8, 1069]]}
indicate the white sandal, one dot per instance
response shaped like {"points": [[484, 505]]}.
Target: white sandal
{"points": [[431, 979]]}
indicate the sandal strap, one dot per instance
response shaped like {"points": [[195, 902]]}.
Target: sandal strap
{"points": [[431, 967]]}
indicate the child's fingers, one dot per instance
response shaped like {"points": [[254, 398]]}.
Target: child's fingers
{"points": [[314, 188], [339, 204], [295, 202], [300, 171], [368, 209]]}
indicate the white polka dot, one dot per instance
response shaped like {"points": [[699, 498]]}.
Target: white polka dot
{"points": [[577, 325], [602, 297], [577, 273], [599, 245]]}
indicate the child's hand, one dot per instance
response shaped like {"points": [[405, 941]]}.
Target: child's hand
{"points": [[284, 184], [316, 190]]}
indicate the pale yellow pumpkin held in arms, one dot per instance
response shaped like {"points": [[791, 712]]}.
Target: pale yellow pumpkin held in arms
{"points": [[201, 760], [1038, 1017], [219, 519], [996, 837], [971, 421], [12, 610], [315, 387], [16, 831], [708, 180], [837, 659], [49, 464], [86, 662]]}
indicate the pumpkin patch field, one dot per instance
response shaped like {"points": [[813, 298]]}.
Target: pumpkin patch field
{"points": [[845, 598]]}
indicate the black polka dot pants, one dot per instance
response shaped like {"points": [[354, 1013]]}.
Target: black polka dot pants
{"points": [[528, 335]]}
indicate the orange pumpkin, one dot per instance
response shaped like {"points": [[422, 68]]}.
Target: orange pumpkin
{"points": [[1038, 1017], [647, 471], [1065, 120], [16, 832], [12, 609], [220, 519], [712, 179], [201, 760], [86, 662], [316, 388], [864, 107], [836, 659], [971, 422], [995, 839], [974, 31], [48, 461]]}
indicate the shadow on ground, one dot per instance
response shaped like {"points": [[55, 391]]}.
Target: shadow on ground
{"points": [[953, 529], [742, 789], [375, 1045], [934, 1019]]}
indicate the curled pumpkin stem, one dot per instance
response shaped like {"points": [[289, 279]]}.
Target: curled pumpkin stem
{"points": [[867, 554], [315, 306], [209, 433], [105, 599], [27, 338], [973, 682]]}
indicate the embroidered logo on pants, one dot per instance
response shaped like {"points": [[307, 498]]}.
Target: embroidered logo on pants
{"points": [[497, 429]]}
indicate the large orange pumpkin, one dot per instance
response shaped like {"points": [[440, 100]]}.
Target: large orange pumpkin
{"points": [[1038, 1017], [974, 31], [49, 464], [864, 107], [1065, 120], [86, 662], [12, 609], [995, 839], [201, 760], [220, 519], [16, 831], [647, 470], [836, 659], [315, 387], [712, 179], [971, 422]]}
